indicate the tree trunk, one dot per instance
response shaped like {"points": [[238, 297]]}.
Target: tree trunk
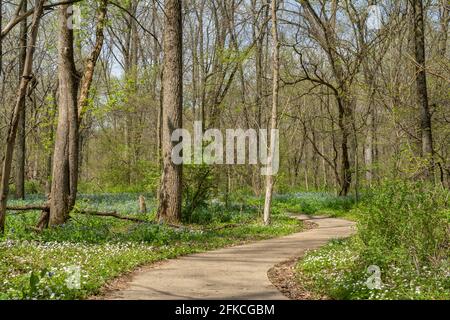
{"points": [[343, 122], [65, 157], [12, 130], [368, 148], [258, 39], [89, 68], [274, 121], [20, 151], [171, 188], [1, 38], [421, 87]]}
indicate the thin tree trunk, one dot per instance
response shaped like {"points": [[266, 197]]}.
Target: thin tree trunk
{"points": [[171, 188], [442, 87], [259, 100], [20, 151], [421, 87], [12, 130], [89, 68], [274, 121], [1, 39], [343, 122]]}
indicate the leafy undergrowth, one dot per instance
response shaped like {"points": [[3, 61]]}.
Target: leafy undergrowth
{"points": [[316, 204], [39, 266], [401, 250], [338, 272]]}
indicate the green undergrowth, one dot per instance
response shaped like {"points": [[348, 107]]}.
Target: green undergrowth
{"points": [[401, 250], [41, 266], [316, 204]]}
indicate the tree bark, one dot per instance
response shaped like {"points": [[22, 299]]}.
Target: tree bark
{"points": [[1, 38], [258, 39], [171, 188], [324, 30], [21, 147], [65, 157], [12, 130], [274, 120], [88, 74], [421, 87]]}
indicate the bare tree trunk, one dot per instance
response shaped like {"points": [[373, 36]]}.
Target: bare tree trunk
{"points": [[12, 130], [89, 68], [20, 151], [444, 21], [368, 148], [274, 121], [130, 54], [259, 100], [1, 38], [421, 86], [343, 122], [65, 157], [157, 61], [315, 160], [171, 189], [442, 87]]}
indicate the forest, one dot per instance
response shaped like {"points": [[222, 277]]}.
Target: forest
{"points": [[140, 131]]}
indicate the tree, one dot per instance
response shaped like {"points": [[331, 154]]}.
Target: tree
{"points": [[171, 188], [65, 157], [71, 110], [274, 118], [12, 129], [421, 87], [21, 147], [324, 30]]}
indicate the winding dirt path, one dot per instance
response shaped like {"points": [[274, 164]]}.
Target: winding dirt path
{"points": [[231, 273]]}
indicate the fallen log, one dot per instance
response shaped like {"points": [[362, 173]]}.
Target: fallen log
{"points": [[227, 226], [29, 208], [43, 220], [113, 214]]}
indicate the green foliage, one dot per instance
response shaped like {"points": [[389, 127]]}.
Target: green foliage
{"points": [[405, 221], [313, 203], [34, 266], [198, 187], [33, 187], [339, 271], [403, 228]]}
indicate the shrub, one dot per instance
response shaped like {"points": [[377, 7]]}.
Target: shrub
{"points": [[313, 203], [198, 187], [406, 222], [403, 228]]}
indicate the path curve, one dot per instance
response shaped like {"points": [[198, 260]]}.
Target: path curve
{"points": [[238, 272]]}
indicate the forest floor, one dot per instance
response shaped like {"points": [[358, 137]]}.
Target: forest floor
{"points": [[239, 272], [97, 250]]}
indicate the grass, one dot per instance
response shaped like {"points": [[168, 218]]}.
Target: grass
{"points": [[319, 204], [38, 266], [403, 236], [338, 272]]}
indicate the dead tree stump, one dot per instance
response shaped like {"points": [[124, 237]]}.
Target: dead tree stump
{"points": [[142, 205]]}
